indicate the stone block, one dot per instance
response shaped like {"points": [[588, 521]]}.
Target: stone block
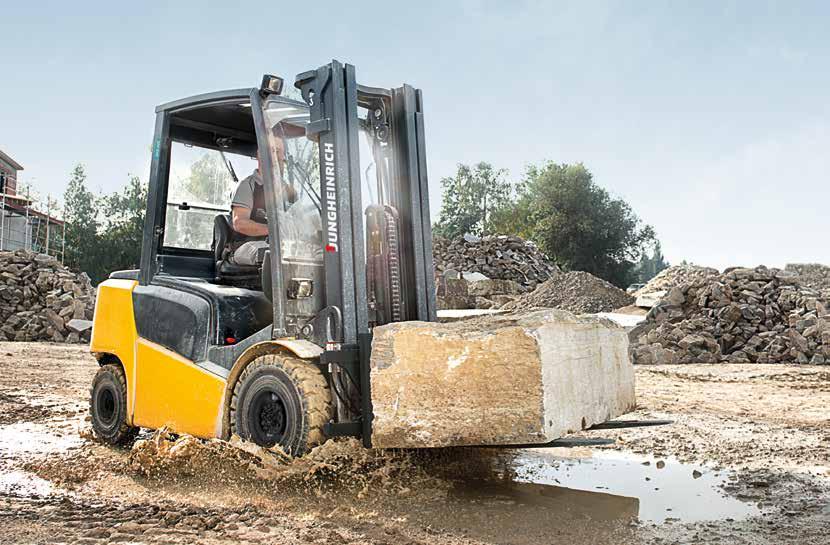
{"points": [[455, 302], [54, 319], [457, 287], [79, 326], [488, 287], [649, 300], [497, 380]]}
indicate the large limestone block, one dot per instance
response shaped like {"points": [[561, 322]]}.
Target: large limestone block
{"points": [[497, 380]]}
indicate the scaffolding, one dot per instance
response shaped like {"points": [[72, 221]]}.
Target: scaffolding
{"points": [[27, 223]]}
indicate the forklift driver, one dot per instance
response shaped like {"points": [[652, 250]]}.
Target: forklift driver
{"points": [[248, 212]]}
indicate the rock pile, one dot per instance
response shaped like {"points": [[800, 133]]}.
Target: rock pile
{"points": [[577, 291], [755, 315], [496, 257], [676, 275], [813, 276], [39, 298]]}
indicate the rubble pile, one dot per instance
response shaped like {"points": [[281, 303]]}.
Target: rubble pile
{"points": [[676, 275], [496, 257], [755, 315], [41, 300], [577, 291], [812, 275]]}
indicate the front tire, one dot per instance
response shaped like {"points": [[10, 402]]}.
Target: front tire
{"points": [[108, 407], [281, 400]]}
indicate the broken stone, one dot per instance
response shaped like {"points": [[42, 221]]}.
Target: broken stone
{"points": [[55, 319], [473, 276], [457, 287], [79, 326]]}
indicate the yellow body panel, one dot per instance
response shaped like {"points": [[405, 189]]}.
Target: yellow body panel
{"points": [[113, 329], [174, 392], [163, 388]]}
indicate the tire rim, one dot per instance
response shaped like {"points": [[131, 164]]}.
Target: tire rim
{"points": [[267, 418], [105, 403]]}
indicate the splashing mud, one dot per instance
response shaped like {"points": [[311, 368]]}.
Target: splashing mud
{"points": [[337, 464]]}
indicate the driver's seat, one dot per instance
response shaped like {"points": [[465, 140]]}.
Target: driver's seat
{"points": [[242, 276]]}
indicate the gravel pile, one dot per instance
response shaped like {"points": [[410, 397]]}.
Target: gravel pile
{"points": [[39, 297], [496, 257], [755, 315], [577, 291], [676, 276], [812, 275]]}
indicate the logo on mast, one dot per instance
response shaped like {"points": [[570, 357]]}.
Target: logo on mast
{"points": [[331, 197]]}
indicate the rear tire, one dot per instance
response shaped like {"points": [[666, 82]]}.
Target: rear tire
{"points": [[281, 400], [108, 406]]}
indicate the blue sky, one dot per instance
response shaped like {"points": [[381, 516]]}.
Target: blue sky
{"points": [[712, 120]]}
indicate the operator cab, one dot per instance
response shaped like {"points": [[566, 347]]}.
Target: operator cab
{"points": [[193, 293], [213, 149]]}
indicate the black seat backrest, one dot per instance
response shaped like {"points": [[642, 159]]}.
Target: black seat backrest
{"points": [[224, 237], [223, 234]]}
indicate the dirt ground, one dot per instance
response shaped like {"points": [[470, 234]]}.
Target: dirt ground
{"points": [[757, 435]]}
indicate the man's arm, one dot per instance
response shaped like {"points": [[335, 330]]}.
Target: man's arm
{"points": [[244, 225]]}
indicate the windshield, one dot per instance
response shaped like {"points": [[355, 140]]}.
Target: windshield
{"points": [[298, 177], [199, 187]]}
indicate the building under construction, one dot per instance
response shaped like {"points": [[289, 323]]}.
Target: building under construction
{"points": [[24, 224]]}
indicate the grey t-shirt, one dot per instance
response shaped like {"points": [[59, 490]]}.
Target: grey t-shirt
{"points": [[244, 195]]}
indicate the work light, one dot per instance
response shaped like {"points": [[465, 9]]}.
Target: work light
{"points": [[271, 85]]}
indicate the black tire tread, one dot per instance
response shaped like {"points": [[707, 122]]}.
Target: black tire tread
{"points": [[312, 389], [126, 434]]}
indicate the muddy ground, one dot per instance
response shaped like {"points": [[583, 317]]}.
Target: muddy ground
{"points": [[747, 461]]}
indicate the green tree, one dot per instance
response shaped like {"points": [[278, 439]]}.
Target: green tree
{"points": [[650, 266], [122, 229], [81, 217], [472, 200], [209, 179], [103, 234], [578, 223]]}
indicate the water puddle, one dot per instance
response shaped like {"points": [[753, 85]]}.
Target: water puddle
{"points": [[23, 438], [579, 496], [501, 510], [22, 484], [18, 443], [663, 489]]}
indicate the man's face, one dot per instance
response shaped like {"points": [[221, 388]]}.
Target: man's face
{"points": [[279, 151]]}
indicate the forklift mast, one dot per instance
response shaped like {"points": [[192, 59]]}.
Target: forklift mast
{"points": [[392, 121], [383, 273]]}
